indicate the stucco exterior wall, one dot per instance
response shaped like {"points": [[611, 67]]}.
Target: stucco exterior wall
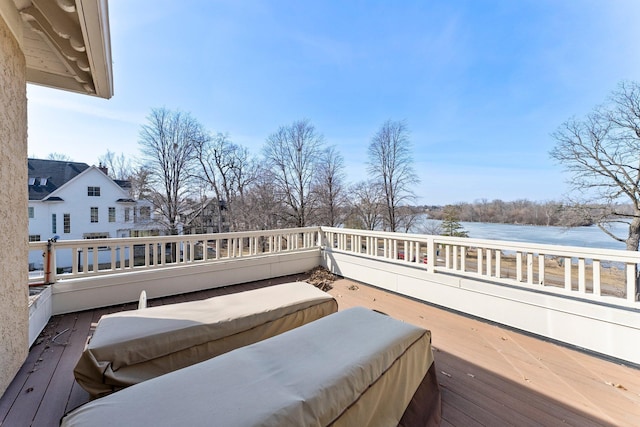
{"points": [[14, 310]]}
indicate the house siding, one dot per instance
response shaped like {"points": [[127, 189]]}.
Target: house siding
{"points": [[14, 306]]}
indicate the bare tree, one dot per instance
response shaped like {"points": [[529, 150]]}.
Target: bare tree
{"points": [[432, 227], [226, 167], [215, 156], [140, 183], [408, 218], [245, 175], [330, 188], [391, 165], [292, 153], [120, 167], [262, 203], [602, 154], [167, 143], [59, 156], [366, 206]]}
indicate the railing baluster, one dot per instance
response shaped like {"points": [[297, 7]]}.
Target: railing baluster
{"points": [[631, 282], [582, 279], [567, 274], [541, 269], [75, 261], [455, 257], [112, 258]]}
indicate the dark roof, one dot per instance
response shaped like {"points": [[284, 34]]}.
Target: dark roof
{"points": [[125, 201], [46, 176], [123, 183]]}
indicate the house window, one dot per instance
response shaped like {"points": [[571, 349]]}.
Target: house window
{"points": [[112, 214], [32, 181], [95, 236], [145, 213], [94, 214], [43, 182], [67, 223], [32, 212], [34, 237], [93, 191], [127, 214], [54, 223]]}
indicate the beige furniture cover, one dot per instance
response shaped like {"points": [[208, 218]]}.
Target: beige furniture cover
{"points": [[133, 346], [352, 368]]}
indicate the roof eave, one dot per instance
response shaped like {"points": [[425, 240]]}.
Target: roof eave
{"points": [[67, 44], [94, 22]]}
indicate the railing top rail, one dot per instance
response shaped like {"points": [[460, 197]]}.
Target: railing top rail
{"points": [[173, 238]]}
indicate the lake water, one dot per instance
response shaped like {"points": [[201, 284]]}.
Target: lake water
{"points": [[590, 236]]}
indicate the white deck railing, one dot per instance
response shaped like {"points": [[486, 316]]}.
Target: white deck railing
{"points": [[71, 259], [601, 275], [581, 296]]}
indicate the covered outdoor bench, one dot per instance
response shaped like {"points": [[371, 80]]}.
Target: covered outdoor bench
{"points": [[134, 346], [352, 368]]}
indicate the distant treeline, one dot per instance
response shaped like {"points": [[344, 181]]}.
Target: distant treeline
{"points": [[515, 212]]}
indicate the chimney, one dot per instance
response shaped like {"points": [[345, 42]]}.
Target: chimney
{"points": [[104, 169]]}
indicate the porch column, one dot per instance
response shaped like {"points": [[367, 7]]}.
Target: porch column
{"points": [[14, 226]]}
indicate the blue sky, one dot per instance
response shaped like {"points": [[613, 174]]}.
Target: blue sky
{"points": [[481, 83]]}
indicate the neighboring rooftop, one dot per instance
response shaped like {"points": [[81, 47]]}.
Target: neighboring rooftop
{"points": [[46, 176]]}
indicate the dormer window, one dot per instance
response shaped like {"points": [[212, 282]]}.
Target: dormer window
{"points": [[32, 181], [93, 191], [43, 182]]}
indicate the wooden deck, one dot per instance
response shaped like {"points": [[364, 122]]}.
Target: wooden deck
{"points": [[488, 375]]}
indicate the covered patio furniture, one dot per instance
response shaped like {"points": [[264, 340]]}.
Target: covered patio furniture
{"points": [[134, 346]]}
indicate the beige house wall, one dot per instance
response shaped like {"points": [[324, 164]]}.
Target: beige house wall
{"points": [[14, 310]]}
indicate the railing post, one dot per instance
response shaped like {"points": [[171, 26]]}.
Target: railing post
{"points": [[431, 255], [50, 262]]}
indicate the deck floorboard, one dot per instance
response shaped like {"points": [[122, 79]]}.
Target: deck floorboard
{"points": [[489, 375]]}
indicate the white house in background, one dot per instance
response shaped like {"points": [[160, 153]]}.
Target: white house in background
{"points": [[73, 201]]}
